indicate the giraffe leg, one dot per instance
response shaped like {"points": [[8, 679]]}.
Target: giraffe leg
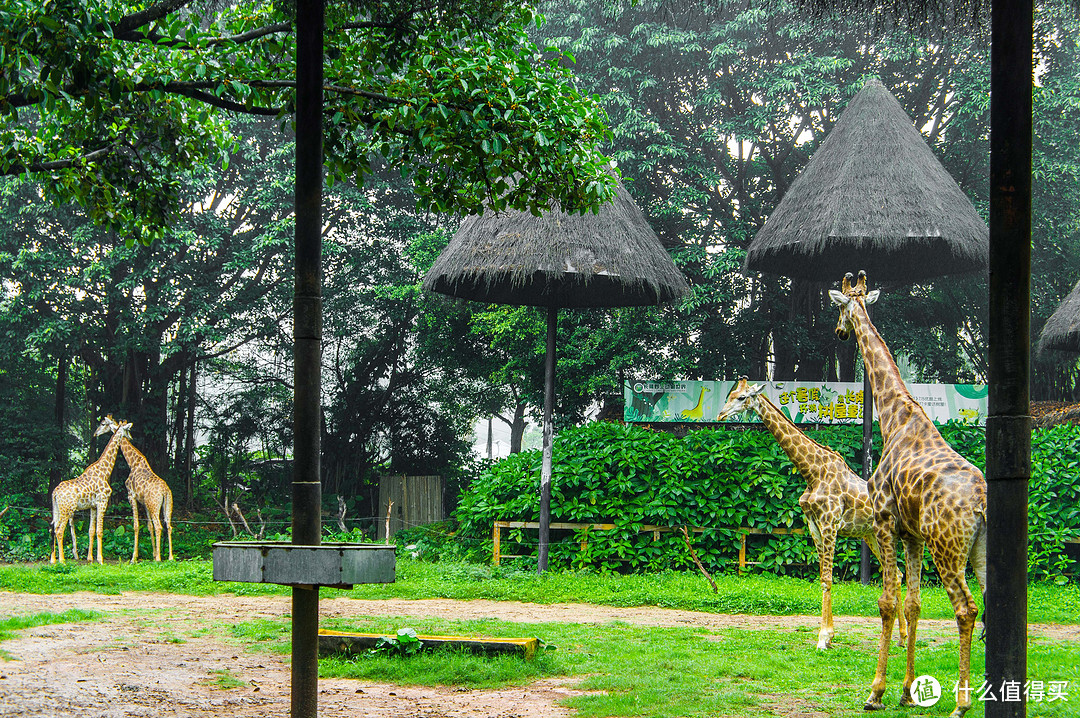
{"points": [[100, 529], [951, 569], [153, 516], [977, 557], [825, 557], [901, 624], [887, 605], [134, 526], [166, 509], [90, 535], [74, 541], [913, 553], [58, 534]]}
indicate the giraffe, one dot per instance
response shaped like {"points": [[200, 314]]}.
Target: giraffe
{"points": [[696, 412], [144, 486], [90, 490], [923, 493], [836, 500]]}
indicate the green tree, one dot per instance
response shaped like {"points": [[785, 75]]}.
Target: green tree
{"points": [[714, 114], [114, 105]]}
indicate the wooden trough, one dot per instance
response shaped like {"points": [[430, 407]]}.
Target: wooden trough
{"points": [[331, 642]]}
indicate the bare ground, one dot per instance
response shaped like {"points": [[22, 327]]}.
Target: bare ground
{"points": [[149, 657]]}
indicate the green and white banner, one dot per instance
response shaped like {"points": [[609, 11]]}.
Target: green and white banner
{"points": [[803, 402]]}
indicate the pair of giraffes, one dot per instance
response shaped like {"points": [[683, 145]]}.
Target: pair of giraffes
{"points": [[91, 490], [922, 493]]}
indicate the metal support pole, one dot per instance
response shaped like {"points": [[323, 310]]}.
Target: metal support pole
{"points": [[307, 351], [1008, 426], [545, 466]]}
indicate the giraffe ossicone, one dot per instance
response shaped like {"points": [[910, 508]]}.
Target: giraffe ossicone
{"points": [[836, 501], [923, 492]]}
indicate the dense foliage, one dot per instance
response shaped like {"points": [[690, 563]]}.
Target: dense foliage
{"points": [[720, 480]]}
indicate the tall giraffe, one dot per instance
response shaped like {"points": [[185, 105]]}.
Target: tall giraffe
{"points": [[924, 493], [144, 486], [836, 500], [90, 490]]}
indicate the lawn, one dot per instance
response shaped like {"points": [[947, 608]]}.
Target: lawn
{"points": [[627, 670]]}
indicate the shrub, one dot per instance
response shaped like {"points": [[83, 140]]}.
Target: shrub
{"points": [[722, 479]]}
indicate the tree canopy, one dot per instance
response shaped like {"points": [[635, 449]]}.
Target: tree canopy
{"points": [[113, 101]]}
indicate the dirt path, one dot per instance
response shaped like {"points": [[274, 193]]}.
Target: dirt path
{"points": [[150, 657]]}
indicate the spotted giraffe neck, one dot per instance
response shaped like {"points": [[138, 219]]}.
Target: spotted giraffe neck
{"points": [[807, 455], [897, 411], [132, 455], [108, 457]]}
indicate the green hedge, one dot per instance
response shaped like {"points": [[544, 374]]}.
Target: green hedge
{"points": [[721, 479]]}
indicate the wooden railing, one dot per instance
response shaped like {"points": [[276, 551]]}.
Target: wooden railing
{"points": [[744, 531]]}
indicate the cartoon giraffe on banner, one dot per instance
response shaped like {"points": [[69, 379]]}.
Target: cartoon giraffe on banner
{"points": [[90, 490], [836, 501], [923, 493]]}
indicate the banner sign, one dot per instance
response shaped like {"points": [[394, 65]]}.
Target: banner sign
{"points": [[803, 402]]}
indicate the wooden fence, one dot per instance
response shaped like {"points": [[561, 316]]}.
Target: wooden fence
{"points": [[418, 500], [744, 531]]}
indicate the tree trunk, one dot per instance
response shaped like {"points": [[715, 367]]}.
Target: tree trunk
{"points": [[60, 455], [178, 429], [517, 428], [189, 441]]}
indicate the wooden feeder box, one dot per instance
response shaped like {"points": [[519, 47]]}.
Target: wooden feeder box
{"points": [[337, 565]]}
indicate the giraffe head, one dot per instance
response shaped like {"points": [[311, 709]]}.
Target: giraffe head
{"points": [[108, 424], [742, 397], [123, 430], [849, 298]]}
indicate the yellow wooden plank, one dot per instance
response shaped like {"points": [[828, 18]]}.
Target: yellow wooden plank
{"points": [[346, 642]]}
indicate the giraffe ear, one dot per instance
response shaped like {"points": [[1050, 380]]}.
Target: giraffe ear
{"points": [[755, 390], [872, 297], [839, 298]]}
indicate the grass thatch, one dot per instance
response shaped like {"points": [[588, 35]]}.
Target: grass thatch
{"points": [[1061, 332], [609, 259], [872, 197]]}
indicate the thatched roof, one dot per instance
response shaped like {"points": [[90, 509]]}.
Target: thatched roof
{"points": [[1062, 330], [872, 197], [609, 259]]}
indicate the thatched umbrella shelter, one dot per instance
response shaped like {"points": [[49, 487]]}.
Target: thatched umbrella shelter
{"points": [[1062, 330], [609, 259], [873, 195]]}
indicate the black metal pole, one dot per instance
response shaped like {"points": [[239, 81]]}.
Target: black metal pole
{"points": [[1008, 425], [307, 337], [545, 466]]}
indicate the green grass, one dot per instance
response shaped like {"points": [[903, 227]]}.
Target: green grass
{"points": [[638, 671], [11, 624], [224, 679], [755, 594]]}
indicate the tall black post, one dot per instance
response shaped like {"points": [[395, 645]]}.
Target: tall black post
{"points": [[307, 352], [545, 466], [1008, 425]]}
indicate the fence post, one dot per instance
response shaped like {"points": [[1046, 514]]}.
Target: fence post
{"points": [[496, 535]]}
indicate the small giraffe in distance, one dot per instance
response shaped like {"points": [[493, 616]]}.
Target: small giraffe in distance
{"points": [[146, 487], [836, 500], [923, 493], [90, 490]]}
